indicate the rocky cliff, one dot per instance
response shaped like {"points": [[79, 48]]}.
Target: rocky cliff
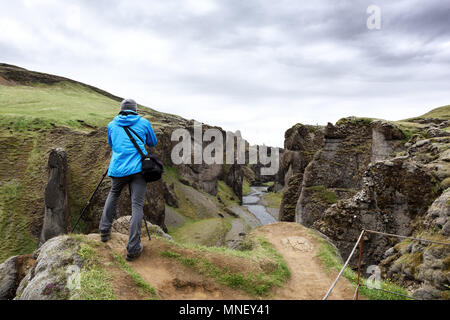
{"points": [[301, 143], [382, 176]]}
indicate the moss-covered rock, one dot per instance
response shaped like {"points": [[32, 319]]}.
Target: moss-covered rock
{"points": [[56, 261]]}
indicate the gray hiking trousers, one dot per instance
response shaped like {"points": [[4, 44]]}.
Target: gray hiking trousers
{"points": [[138, 188]]}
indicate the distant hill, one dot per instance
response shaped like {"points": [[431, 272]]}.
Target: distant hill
{"points": [[436, 113], [440, 113]]}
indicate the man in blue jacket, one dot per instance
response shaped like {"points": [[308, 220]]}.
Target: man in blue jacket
{"points": [[125, 168]]}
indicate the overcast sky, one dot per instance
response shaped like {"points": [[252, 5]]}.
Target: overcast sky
{"points": [[257, 66]]}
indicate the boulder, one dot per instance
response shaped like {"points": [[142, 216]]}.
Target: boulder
{"points": [[8, 279], [427, 292], [12, 271], [122, 225], [56, 261], [436, 132]]}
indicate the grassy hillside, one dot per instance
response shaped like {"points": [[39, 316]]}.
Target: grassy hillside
{"points": [[441, 113], [63, 104]]}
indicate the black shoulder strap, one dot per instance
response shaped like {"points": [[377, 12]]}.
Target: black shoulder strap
{"points": [[134, 141], [129, 128]]}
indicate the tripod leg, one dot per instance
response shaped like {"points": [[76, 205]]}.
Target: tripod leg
{"points": [[146, 227]]}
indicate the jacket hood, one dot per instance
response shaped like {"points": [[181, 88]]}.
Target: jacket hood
{"points": [[127, 121]]}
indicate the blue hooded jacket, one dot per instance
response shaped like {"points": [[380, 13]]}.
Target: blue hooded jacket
{"points": [[126, 160]]}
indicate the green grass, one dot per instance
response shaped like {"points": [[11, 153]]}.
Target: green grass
{"points": [[441, 113], [95, 285], [273, 199], [186, 207], [245, 187], [95, 281], [145, 289], [209, 232], [255, 284], [226, 194], [62, 104], [330, 259], [15, 236], [22, 124], [324, 194]]}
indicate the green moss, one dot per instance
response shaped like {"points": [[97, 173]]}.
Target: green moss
{"points": [[170, 174], [145, 289], [313, 129], [408, 134], [401, 246], [323, 194], [445, 183], [412, 260]]}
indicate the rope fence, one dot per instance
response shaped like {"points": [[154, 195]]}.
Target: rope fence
{"points": [[360, 243]]}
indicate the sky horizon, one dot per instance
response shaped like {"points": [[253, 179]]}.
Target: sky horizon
{"points": [[255, 66]]}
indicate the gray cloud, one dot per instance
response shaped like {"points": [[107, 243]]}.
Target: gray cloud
{"points": [[258, 66]]}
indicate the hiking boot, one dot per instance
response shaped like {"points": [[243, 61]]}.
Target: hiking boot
{"points": [[134, 256], [105, 236]]}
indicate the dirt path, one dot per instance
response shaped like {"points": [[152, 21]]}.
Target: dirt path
{"points": [[309, 279]]}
